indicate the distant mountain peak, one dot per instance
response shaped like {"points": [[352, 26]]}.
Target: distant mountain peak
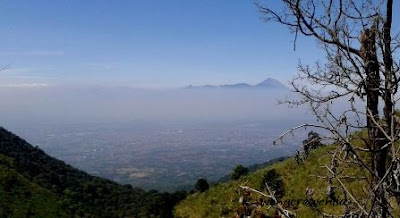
{"points": [[269, 80], [271, 83]]}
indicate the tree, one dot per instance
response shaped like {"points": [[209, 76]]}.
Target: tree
{"points": [[312, 142], [238, 172], [361, 67], [201, 185]]}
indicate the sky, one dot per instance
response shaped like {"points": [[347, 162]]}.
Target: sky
{"points": [[144, 43]]}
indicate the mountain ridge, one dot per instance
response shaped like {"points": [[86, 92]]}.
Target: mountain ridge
{"points": [[269, 83]]}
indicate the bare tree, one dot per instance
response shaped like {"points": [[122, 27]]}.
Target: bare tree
{"points": [[360, 66]]}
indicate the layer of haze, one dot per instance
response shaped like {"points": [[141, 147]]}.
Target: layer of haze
{"points": [[100, 104]]}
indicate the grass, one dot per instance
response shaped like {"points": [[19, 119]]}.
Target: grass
{"points": [[222, 200]]}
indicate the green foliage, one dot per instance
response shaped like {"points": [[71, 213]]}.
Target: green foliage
{"points": [[77, 193], [201, 185], [312, 142], [238, 172], [22, 198], [274, 181], [222, 200], [254, 167]]}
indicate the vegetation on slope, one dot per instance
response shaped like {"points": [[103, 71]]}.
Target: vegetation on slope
{"points": [[56, 185], [254, 167], [222, 200], [22, 198]]}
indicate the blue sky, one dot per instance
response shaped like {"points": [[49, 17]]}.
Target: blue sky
{"points": [[143, 43]]}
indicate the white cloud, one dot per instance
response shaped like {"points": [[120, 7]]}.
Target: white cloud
{"points": [[32, 53], [10, 70], [24, 85]]}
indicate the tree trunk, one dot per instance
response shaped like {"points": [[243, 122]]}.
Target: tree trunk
{"points": [[376, 137], [390, 90]]}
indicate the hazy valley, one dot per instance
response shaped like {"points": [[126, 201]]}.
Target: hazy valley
{"points": [[163, 156], [204, 133]]}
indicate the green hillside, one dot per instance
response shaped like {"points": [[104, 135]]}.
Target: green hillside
{"points": [[33, 184], [222, 200], [22, 198]]}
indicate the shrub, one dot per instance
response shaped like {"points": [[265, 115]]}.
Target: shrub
{"points": [[274, 181], [201, 185], [239, 171], [312, 142]]}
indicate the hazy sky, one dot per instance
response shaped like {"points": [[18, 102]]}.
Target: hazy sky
{"points": [[143, 43]]}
